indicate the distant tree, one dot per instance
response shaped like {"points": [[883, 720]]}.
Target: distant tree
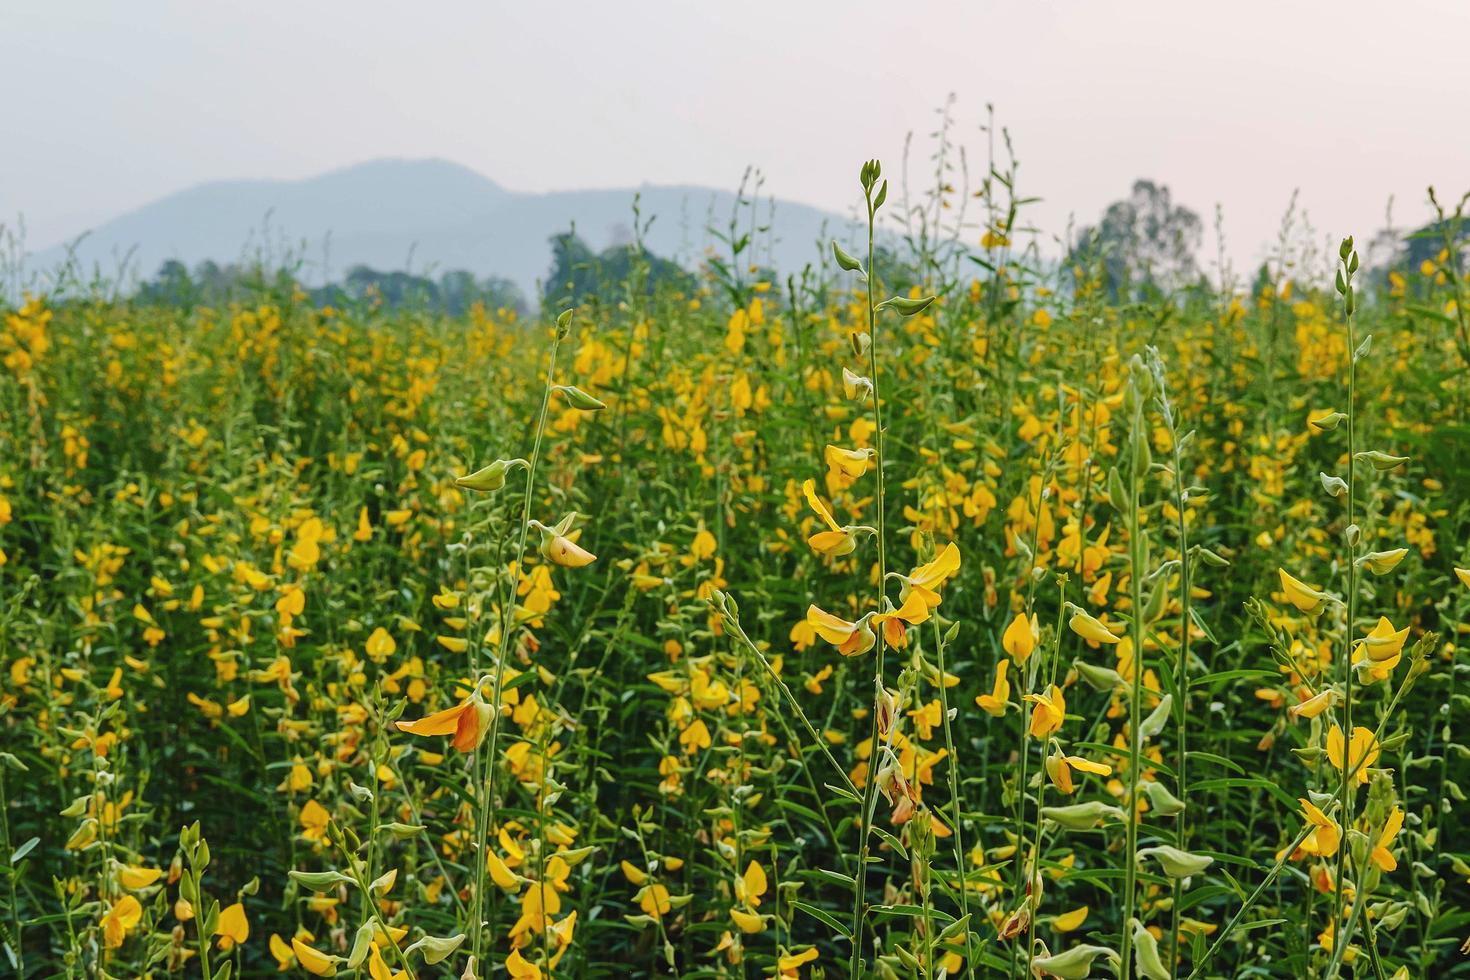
{"points": [[578, 273], [1146, 243]]}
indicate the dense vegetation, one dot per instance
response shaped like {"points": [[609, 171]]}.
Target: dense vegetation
{"points": [[1047, 603]]}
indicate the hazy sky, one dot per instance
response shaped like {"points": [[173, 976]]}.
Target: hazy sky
{"points": [[110, 105]]}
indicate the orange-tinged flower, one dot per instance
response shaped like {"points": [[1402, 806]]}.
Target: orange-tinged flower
{"points": [[520, 968], [913, 611], [1059, 767], [654, 900], [1049, 713], [850, 639], [467, 721]]}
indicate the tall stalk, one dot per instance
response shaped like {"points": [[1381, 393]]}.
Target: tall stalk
{"points": [[1346, 795], [870, 173], [484, 765], [1137, 467], [1181, 658]]}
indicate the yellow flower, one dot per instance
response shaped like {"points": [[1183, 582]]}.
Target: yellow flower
{"points": [[654, 900], [232, 927], [850, 639], [848, 464], [913, 611], [134, 878], [1299, 594], [519, 969], [749, 923], [927, 578], [1021, 637], [314, 819], [791, 964], [1379, 653], [998, 700], [835, 541], [1362, 753], [1059, 767], [566, 552], [1049, 713], [1381, 854], [313, 961], [1090, 628], [1326, 835], [380, 645], [1314, 705], [1463, 574], [120, 920], [1070, 921], [364, 530]]}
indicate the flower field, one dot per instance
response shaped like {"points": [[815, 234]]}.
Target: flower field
{"points": [[978, 621]]}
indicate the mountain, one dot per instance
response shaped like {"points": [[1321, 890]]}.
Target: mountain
{"points": [[420, 215]]}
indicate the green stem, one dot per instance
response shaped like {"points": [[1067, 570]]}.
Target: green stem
{"points": [[1135, 701], [869, 800], [487, 773]]}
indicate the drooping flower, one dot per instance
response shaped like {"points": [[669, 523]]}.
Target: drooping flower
{"points": [[848, 464], [998, 700], [1021, 637], [835, 541], [930, 576], [1299, 594], [913, 611], [467, 721], [1090, 628], [1314, 705], [1059, 767], [1382, 856], [314, 961], [850, 639]]}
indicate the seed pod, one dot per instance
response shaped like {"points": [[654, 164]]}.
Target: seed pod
{"points": [[1175, 862], [435, 949], [1165, 803], [1081, 816], [1074, 964], [1381, 461], [1146, 954], [579, 399], [1335, 486], [846, 262]]}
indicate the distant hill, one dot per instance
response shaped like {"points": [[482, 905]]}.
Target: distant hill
{"points": [[419, 215]]}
